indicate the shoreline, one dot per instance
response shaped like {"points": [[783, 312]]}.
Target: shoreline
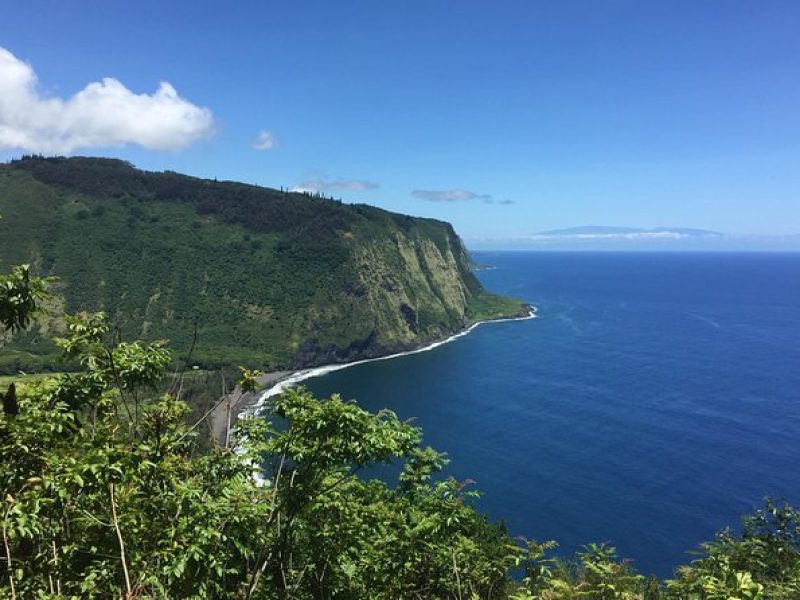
{"points": [[280, 380], [229, 409]]}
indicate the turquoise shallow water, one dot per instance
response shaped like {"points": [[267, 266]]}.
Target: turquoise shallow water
{"points": [[654, 400]]}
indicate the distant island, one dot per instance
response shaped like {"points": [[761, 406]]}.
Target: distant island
{"points": [[605, 237], [601, 231]]}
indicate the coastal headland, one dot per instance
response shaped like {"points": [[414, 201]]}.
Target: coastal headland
{"points": [[229, 273]]}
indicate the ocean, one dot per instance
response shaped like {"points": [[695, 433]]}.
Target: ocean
{"points": [[652, 402]]}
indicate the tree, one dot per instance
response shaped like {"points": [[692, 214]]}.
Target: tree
{"points": [[20, 297], [106, 494]]}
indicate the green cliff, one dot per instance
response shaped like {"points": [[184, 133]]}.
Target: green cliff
{"points": [[264, 277]]}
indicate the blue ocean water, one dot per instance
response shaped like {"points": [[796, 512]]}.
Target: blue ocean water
{"points": [[654, 401]]}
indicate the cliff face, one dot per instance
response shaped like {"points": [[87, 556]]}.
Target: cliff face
{"points": [[405, 290], [261, 276]]}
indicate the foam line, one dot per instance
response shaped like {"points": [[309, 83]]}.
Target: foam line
{"points": [[305, 374]]}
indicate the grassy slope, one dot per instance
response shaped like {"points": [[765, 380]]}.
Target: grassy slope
{"points": [[269, 278]]}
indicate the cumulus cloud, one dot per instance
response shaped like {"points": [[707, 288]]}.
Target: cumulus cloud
{"points": [[104, 113], [265, 140], [321, 184], [455, 195]]}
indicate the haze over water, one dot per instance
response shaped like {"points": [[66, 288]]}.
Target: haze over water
{"points": [[653, 402]]}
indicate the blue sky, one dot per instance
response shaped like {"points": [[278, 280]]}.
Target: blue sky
{"points": [[504, 118]]}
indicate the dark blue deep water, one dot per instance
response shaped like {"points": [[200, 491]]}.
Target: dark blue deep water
{"points": [[654, 401]]}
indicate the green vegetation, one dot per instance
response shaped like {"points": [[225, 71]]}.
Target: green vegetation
{"points": [[492, 306], [24, 379], [241, 274], [105, 492]]}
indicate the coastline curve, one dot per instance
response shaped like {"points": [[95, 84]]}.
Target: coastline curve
{"points": [[305, 374]]}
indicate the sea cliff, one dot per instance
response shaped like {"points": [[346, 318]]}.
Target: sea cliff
{"points": [[232, 273]]}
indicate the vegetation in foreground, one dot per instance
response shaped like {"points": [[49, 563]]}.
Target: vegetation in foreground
{"points": [[105, 493]]}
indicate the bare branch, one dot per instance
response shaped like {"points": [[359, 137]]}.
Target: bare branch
{"points": [[128, 591]]}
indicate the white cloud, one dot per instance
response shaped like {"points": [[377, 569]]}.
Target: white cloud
{"points": [[265, 140], [104, 113], [320, 184], [455, 195]]}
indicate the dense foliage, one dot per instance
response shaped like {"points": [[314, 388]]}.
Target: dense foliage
{"points": [[20, 295], [242, 274], [106, 494]]}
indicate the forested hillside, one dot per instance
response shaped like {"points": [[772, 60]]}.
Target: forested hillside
{"points": [[243, 274]]}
